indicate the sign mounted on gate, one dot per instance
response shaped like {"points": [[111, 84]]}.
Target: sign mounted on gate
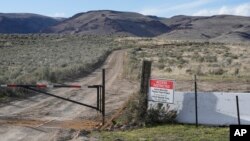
{"points": [[161, 90]]}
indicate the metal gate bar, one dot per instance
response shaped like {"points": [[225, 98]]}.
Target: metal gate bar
{"points": [[66, 99], [100, 103]]}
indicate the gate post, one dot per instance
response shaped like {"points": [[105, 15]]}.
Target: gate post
{"points": [[146, 72], [145, 76], [100, 99], [103, 96], [97, 102]]}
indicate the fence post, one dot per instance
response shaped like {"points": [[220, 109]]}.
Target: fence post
{"points": [[103, 96], [145, 76], [100, 99], [97, 98], [196, 105], [238, 109]]}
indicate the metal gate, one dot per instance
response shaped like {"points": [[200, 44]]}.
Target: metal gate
{"points": [[100, 102]]}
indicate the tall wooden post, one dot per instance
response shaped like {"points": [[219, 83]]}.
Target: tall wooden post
{"points": [[145, 76]]}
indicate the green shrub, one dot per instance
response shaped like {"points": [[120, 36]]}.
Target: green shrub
{"points": [[160, 115], [135, 112]]}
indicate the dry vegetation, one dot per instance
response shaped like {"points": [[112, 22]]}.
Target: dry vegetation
{"points": [[50, 58], [219, 67], [56, 58]]}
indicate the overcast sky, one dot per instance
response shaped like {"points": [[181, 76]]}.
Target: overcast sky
{"points": [[163, 8]]}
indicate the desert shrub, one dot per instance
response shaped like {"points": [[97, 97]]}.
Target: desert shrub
{"points": [[131, 112], [170, 61], [180, 66], [236, 71], [197, 57], [217, 71], [161, 60], [160, 114], [181, 61], [200, 59], [137, 49], [135, 112], [168, 69], [210, 58], [176, 55], [198, 70], [236, 64], [190, 49], [189, 71], [213, 65], [234, 56], [142, 54], [227, 54], [161, 66], [132, 66], [227, 61], [219, 51]]}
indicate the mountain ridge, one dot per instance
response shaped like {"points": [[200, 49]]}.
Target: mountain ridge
{"points": [[108, 22], [208, 28], [24, 23], [105, 22]]}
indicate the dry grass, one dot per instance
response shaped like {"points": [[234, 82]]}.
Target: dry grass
{"points": [[212, 62], [51, 58]]}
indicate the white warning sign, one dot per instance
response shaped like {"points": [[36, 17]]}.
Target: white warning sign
{"points": [[161, 91]]}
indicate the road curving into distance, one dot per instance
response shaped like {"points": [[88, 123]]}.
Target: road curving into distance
{"points": [[42, 117]]}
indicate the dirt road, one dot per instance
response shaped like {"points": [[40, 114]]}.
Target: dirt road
{"points": [[46, 118]]}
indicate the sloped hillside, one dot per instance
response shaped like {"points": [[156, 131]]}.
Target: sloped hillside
{"points": [[24, 22], [106, 22], [215, 28]]}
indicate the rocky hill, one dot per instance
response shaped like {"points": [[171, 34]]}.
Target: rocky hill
{"points": [[106, 22], [24, 23], [215, 28]]}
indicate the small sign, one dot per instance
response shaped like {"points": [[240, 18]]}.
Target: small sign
{"points": [[161, 91]]}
